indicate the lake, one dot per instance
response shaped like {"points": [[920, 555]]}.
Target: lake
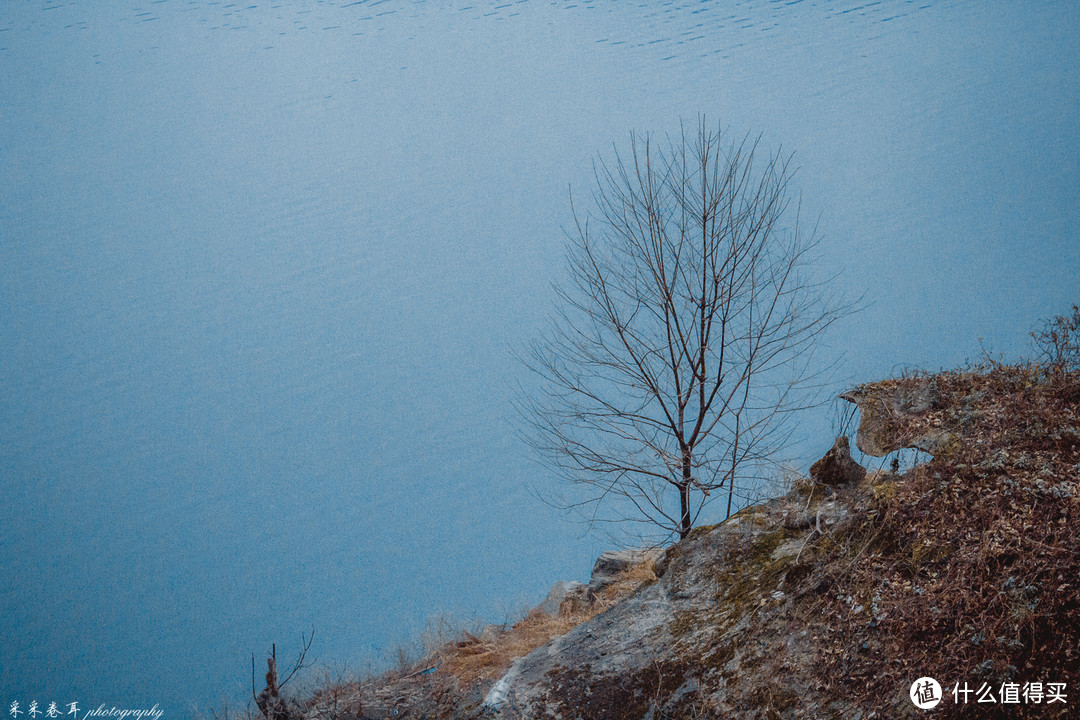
{"points": [[263, 267]]}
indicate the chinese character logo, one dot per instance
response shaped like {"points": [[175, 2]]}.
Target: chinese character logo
{"points": [[925, 693]]}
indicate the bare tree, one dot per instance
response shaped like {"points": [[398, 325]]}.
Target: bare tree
{"points": [[683, 337]]}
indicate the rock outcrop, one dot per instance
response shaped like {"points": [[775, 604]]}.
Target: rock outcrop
{"points": [[609, 568], [614, 564], [563, 592], [898, 414], [719, 608]]}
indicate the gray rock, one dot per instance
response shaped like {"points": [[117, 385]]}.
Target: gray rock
{"points": [[561, 592], [612, 563], [887, 411], [647, 635], [625, 639], [607, 569]]}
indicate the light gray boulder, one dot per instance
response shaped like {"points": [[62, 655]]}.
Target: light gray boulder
{"points": [[561, 592], [612, 563]]}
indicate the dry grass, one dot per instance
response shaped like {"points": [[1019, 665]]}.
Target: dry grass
{"points": [[470, 660], [454, 668]]}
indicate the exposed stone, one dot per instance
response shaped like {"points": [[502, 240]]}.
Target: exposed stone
{"points": [[789, 549], [889, 414], [724, 590], [609, 567], [612, 563], [797, 519], [837, 467], [624, 640], [746, 619], [562, 592]]}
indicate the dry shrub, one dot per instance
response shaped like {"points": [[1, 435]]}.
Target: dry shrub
{"points": [[1057, 341]]}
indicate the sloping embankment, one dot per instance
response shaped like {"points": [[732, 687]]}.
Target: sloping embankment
{"points": [[829, 601]]}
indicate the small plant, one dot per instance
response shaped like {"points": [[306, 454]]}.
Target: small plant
{"points": [[270, 702], [1058, 342]]}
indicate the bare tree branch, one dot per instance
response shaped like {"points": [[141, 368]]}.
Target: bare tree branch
{"points": [[685, 333]]}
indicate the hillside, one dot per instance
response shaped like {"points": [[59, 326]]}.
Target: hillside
{"points": [[827, 602]]}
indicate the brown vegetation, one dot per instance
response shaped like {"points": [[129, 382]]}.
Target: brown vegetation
{"points": [[459, 672], [966, 566], [470, 660]]}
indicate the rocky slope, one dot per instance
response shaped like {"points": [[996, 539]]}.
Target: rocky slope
{"points": [[825, 603]]}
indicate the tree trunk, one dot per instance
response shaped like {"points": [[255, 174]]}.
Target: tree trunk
{"points": [[684, 495]]}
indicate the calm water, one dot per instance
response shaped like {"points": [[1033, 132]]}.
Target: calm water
{"points": [[261, 266]]}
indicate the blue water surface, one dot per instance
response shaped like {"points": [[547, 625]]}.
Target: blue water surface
{"points": [[262, 266]]}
